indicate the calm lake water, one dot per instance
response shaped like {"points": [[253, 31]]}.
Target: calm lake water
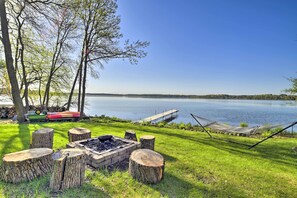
{"points": [[253, 112]]}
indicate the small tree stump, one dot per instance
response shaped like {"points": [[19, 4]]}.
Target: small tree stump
{"points": [[146, 166], [130, 135], [42, 138], [78, 133], [147, 142], [69, 169], [26, 165]]}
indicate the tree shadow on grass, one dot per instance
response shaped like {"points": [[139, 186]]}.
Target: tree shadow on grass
{"points": [[173, 186], [277, 152], [40, 188], [168, 158], [23, 135]]}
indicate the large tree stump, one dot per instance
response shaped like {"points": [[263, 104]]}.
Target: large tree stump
{"points": [[69, 169], [130, 135], [147, 142], [26, 165], [146, 166], [78, 133], [42, 138]]}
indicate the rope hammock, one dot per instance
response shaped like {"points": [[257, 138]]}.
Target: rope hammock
{"points": [[219, 126], [247, 131]]}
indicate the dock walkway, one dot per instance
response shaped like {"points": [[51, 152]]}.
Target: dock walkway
{"points": [[156, 117]]}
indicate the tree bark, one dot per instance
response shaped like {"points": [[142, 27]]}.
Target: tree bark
{"points": [[83, 97], [26, 165], [69, 169], [146, 166], [43, 138], [76, 134], [147, 142], [72, 90], [16, 96], [130, 135]]}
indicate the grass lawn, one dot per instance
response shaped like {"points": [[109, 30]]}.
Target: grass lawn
{"points": [[196, 166]]}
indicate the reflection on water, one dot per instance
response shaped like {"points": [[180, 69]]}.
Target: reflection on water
{"points": [[253, 112]]}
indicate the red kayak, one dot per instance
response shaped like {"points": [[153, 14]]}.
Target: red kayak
{"points": [[65, 115]]}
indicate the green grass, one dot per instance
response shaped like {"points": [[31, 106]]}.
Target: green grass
{"points": [[196, 166]]}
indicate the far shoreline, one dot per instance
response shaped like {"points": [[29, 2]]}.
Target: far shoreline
{"points": [[208, 96]]}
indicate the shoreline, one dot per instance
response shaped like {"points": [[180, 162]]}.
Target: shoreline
{"points": [[210, 96]]}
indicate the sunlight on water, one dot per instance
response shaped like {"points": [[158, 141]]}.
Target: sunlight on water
{"points": [[253, 112]]}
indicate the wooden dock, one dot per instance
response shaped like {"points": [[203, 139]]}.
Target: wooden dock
{"points": [[165, 115]]}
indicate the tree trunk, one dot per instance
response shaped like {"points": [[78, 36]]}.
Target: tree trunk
{"points": [[69, 169], [26, 165], [72, 90], [43, 138], [83, 97], [79, 89], [146, 166], [76, 134], [16, 96], [147, 142], [130, 135]]}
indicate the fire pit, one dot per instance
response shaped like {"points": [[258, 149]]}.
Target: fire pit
{"points": [[105, 150]]}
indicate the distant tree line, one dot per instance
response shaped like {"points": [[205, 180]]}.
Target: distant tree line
{"points": [[51, 48], [210, 96]]}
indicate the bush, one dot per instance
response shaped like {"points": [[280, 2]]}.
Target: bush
{"points": [[182, 126], [161, 124], [189, 126], [243, 124]]}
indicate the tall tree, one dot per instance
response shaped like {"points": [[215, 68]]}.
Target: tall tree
{"points": [[9, 64], [101, 41], [63, 28], [293, 89]]}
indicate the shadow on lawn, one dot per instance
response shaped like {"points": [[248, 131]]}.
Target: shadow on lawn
{"points": [[168, 157], [278, 152], [173, 186], [40, 188], [23, 135]]}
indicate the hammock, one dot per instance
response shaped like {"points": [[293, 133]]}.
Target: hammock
{"points": [[219, 126], [203, 122]]}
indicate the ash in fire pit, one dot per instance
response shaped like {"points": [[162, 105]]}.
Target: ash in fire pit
{"points": [[104, 143], [105, 150]]}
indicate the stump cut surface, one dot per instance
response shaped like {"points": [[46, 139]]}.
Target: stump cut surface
{"points": [[146, 166], [79, 131], [27, 154], [146, 157]]}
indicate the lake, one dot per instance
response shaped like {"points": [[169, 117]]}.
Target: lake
{"points": [[253, 112]]}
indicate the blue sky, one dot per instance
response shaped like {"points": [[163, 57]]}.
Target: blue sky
{"points": [[206, 47]]}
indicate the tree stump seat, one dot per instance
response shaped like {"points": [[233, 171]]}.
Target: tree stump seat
{"points": [[42, 138], [130, 135], [78, 133], [146, 166], [69, 169], [26, 165], [147, 142]]}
